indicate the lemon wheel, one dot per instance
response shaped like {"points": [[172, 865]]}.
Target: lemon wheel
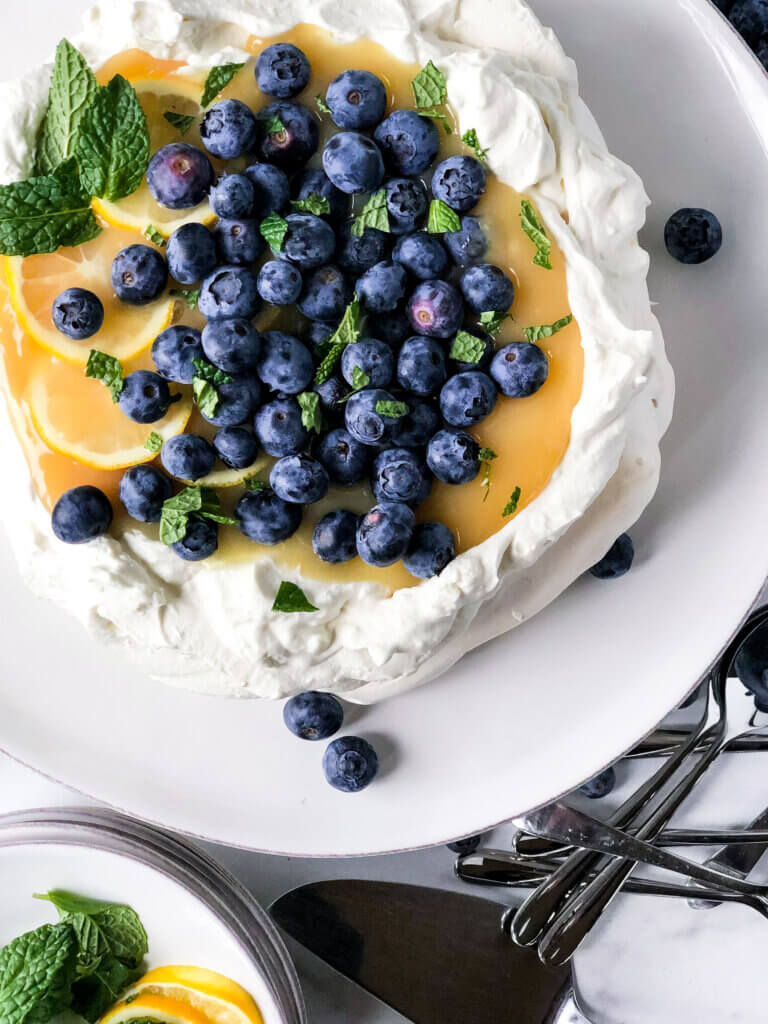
{"points": [[156, 1008], [219, 999]]}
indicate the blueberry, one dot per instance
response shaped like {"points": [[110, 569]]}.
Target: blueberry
{"points": [[174, 351], [350, 764], [180, 176], [238, 241], [519, 369], [357, 100], [693, 235], [313, 181], [145, 397], [285, 364], [459, 181], [435, 309], [415, 429], [334, 537], [229, 292], [483, 363], [139, 275], [309, 241], [382, 287], [384, 533], [200, 541], [232, 345], [236, 447], [143, 489], [279, 283], [325, 294], [421, 366], [271, 190], [407, 204], [229, 129], [410, 143], [617, 560], [469, 244], [751, 666], [233, 195], [238, 401], [353, 163], [319, 332], [346, 459], [191, 253], [81, 514], [297, 140], [364, 422], [452, 455], [600, 786], [399, 474], [761, 52], [313, 716], [331, 392], [282, 70], [750, 19], [393, 327], [299, 479], [356, 255], [279, 428], [433, 546], [487, 288], [265, 518], [77, 313], [373, 357], [421, 254], [188, 456], [468, 398], [464, 847]]}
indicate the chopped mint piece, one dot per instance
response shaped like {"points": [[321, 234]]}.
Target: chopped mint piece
{"points": [[273, 125], [274, 228], [153, 443], [469, 138], [345, 334], [107, 369], [511, 507], [197, 501], [113, 144], [533, 227], [41, 214], [311, 416], [546, 330], [205, 385], [73, 86], [290, 598], [395, 410], [312, 204], [429, 87], [211, 373], [360, 380], [373, 215], [492, 321], [218, 79], [181, 121], [255, 485], [436, 115], [466, 348], [486, 457], [188, 295], [322, 106], [442, 218], [153, 235]]}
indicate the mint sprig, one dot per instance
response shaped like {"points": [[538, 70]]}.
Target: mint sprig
{"points": [[533, 227], [511, 507], [183, 122], [218, 79], [312, 204], [311, 414], [113, 143], [373, 215], [466, 348], [107, 369], [469, 138], [442, 218], [201, 502], [41, 214], [291, 598], [205, 386], [540, 331], [345, 334], [73, 86], [274, 228]]}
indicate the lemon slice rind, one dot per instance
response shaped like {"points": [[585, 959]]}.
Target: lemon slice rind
{"points": [[220, 478], [220, 999]]}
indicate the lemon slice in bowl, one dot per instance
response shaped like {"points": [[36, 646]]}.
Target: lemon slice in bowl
{"points": [[231, 477], [156, 1008], [218, 998]]}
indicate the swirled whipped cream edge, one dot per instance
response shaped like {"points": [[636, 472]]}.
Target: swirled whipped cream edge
{"points": [[212, 630]]}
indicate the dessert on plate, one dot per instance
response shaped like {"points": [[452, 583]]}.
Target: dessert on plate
{"points": [[327, 347]]}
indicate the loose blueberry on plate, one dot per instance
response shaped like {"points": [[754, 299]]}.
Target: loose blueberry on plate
{"points": [[346, 459], [381, 288], [601, 785], [334, 537], [617, 560], [487, 288], [350, 764], [316, 182], [282, 70], [483, 363], [229, 129], [399, 474], [191, 253], [421, 366], [284, 364], [313, 716], [393, 327], [407, 204], [299, 479], [409, 142], [232, 345], [373, 357], [453, 456], [139, 275], [229, 292], [356, 255], [693, 236], [295, 142], [421, 254], [145, 397], [279, 427], [433, 546], [353, 163], [279, 283], [238, 241], [468, 398], [519, 369], [237, 447], [143, 489], [265, 518], [751, 666], [233, 195], [464, 847], [416, 428], [325, 295], [188, 456], [331, 392], [384, 533], [77, 313], [750, 19], [271, 189], [468, 245], [199, 542], [459, 181], [357, 100], [435, 308], [309, 241], [81, 514], [174, 351], [365, 422], [238, 401], [180, 176]]}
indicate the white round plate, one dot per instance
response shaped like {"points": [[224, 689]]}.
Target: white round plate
{"points": [[539, 710]]}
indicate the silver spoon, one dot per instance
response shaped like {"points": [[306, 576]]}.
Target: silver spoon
{"points": [[528, 846]]}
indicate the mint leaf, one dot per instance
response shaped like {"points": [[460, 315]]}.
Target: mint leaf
{"points": [[486, 457], [429, 87], [395, 410], [113, 145], [533, 227], [466, 348], [206, 396], [153, 235], [436, 115], [322, 106], [492, 321], [273, 125], [36, 974], [188, 295], [218, 79], [274, 228], [191, 501], [546, 330], [345, 334], [153, 443], [469, 138], [442, 218], [255, 485], [360, 380], [373, 215], [73, 87], [93, 994], [41, 214], [511, 507], [290, 598], [181, 121], [107, 369], [206, 370], [312, 204], [311, 416]]}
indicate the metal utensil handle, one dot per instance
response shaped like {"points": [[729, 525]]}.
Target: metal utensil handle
{"points": [[528, 846]]}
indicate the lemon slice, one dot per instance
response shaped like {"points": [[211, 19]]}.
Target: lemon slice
{"points": [[137, 211], [218, 998], [231, 477], [75, 416], [35, 281], [156, 1008]]}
